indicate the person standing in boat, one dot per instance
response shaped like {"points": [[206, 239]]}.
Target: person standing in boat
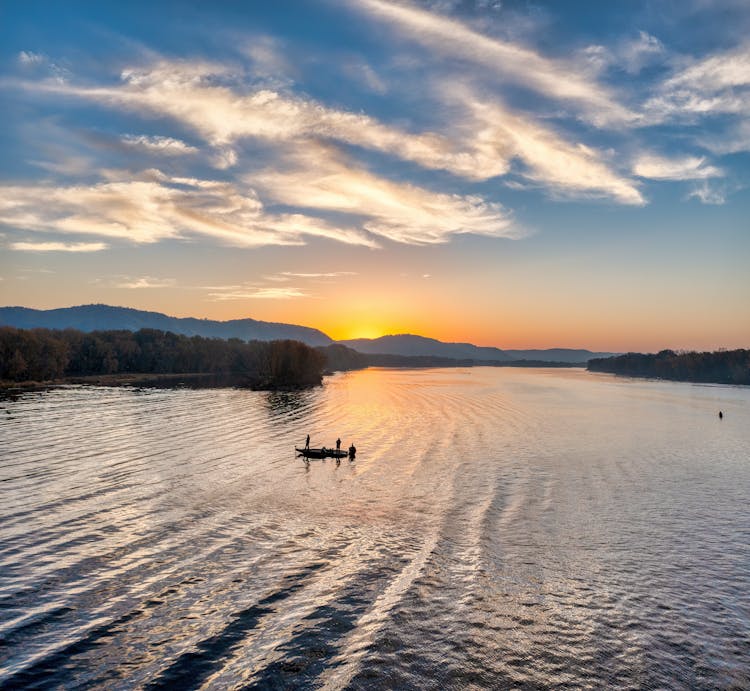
{"points": [[338, 445], [307, 442]]}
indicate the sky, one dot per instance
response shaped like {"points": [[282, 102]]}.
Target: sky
{"points": [[509, 173]]}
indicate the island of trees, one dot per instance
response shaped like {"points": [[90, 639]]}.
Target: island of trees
{"points": [[44, 355], [720, 367]]}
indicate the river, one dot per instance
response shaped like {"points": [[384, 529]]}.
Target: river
{"points": [[499, 527]]}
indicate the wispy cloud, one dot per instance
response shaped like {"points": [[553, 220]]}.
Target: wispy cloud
{"points": [[155, 206], [261, 293], [636, 53], [718, 83], [30, 60], [564, 167], [197, 95], [330, 274], [269, 58], [482, 146], [321, 179], [146, 282], [29, 57], [364, 75], [58, 246], [630, 55], [685, 168], [505, 60], [707, 193], [730, 139], [158, 145]]}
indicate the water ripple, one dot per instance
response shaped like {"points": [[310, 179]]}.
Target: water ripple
{"points": [[499, 528]]}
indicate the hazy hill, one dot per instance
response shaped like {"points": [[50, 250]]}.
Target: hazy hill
{"points": [[104, 317], [407, 344]]}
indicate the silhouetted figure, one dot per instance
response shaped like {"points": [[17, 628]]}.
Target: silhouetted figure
{"points": [[338, 445], [307, 442], [352, 452], [721, 415]]}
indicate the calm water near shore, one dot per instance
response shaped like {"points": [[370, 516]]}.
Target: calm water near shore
{"points": [[499, 528]]}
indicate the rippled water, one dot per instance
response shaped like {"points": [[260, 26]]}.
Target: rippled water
{"points": [[499, 528]]}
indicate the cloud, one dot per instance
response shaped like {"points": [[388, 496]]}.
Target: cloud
{"points": [[194, 94], [146, 282], [28, 57], [568, 169], [319, 178], [258, 294], [505, 60], [59, 246], [715, 72], [330, 274], [728, 140], [635, 54], [715, 84], [479, 147], [158, 145], [268, 57], [630, 55], [154, 207], [66, 164], [707, 194], [364, 75], [686, 168]]}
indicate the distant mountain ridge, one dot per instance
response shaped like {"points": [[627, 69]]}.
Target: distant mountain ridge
{"points": [[408, 344], [105, 317]]}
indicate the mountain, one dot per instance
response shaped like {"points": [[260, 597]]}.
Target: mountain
{"points": [[407, 344], [104, 317]]}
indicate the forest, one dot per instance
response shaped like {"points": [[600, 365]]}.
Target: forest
{"points": [[719, 367], [42, 355]]}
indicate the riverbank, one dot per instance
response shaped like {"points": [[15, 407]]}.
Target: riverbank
{"points": [[207, 380], [719, 367], [193, 380]]}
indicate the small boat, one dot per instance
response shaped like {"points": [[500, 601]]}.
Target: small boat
{"points": [[322, 453]]}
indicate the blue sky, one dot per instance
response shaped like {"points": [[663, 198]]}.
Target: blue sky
{"points": [[511, 173]]}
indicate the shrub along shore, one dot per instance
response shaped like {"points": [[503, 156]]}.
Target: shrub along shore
{"points": [[720, 367]]}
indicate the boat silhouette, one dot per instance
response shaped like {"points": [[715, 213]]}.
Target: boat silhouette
{"points": [[323, 453]]}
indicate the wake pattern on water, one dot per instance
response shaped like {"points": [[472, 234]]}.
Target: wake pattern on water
{"points": [[485, 537]]}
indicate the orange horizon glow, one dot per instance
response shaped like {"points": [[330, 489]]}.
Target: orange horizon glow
{"points": [[356, 317]]}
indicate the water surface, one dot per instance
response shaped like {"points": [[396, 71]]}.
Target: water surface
{"points": [[499, 528]]}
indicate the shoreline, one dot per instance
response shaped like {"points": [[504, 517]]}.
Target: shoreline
{"points": [[199, 380], [220, 381]]}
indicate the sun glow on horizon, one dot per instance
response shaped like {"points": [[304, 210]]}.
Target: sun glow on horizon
{"points": [[347, 332]]}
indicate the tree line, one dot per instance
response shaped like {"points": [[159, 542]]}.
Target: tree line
{"points": [[46, 354], [720, 367]]}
